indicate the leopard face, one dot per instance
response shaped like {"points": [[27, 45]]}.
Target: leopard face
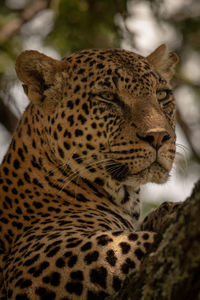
{"points": [[111, 115]]}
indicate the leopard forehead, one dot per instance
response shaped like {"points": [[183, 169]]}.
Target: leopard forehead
{"points": [[101, 68], [94, 68], [102, 58]]}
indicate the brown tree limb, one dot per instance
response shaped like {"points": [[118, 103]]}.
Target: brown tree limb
{"points": [[172, 271], [12, 27]]}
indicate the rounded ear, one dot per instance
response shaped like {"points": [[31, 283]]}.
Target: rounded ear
{"points": [[38, 73], [164, 61]]}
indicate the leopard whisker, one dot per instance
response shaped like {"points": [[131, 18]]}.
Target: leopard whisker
{"points": [[77, 173]]}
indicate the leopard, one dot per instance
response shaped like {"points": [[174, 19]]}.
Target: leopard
{"points": [[99, 125]]}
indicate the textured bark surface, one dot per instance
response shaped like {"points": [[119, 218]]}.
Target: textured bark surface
{"points": [[172, 271]]}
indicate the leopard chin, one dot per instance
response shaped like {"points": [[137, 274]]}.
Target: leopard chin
{"points": [[155, 173]]}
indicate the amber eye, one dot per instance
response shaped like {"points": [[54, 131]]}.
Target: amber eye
{"points": [[163, 95], [107, 96]]}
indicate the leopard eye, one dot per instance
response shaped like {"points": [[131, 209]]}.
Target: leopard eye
{"points": [[107, 96], [163, 95]]}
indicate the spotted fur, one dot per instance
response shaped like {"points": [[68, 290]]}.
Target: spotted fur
{"points": [[99, 124]]}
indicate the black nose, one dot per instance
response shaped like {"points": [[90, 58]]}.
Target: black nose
{"points": [[155, 138]]}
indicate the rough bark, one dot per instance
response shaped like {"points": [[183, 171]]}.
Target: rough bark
{"points": [[172, 271]]}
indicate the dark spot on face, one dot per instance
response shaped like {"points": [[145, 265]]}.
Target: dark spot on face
{"points": [[77, 88], [89, 137], [91, 257], [71, 120], [16, 164], [45, 293], [60, 263], [37, 204], [100, 66], [66, 145], [77, 275], [77, 158], [78, 132], [61, 152], [116, 283], [72, 261], [81, 71], [99, 276], [74, 287], [37, 271], [70, 104], [147, 246], [103, 240], [91, 295], [85, 108], [99, 181], [31, 261], [53, 279], [22, 297], [86, 246], [125, 247], [82, 119], [135, 215], [59, 127], [90, 147], [133, 237], [127, 266], [139, 253], [111, 258], [145, 236], [25, 283], [53, 252]]}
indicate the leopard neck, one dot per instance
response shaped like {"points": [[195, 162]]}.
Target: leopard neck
{"points": [[32, 164]]}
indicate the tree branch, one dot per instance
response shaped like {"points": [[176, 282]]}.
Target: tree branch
{"points": [[10, 29], [172, 271]]}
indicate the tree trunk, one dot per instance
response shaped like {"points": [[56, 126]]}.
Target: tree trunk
{"points": [[172, 270]]}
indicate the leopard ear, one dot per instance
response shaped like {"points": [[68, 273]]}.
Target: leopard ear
{"points": [[163, 61], [40, 74]]}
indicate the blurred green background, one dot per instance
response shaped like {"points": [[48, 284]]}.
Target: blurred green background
{"points": [[60, 27]]}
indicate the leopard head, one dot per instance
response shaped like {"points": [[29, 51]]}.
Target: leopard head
{"points": [[106, 115]]}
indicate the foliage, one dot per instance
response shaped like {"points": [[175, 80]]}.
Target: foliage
{"points": [[83, 24]]}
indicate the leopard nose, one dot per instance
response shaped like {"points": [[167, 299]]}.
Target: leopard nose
{"points": [[155, 138]]}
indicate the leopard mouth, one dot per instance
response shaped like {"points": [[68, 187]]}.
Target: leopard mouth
{"points": [[155, 164], [154, 173], [121, 172]]}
